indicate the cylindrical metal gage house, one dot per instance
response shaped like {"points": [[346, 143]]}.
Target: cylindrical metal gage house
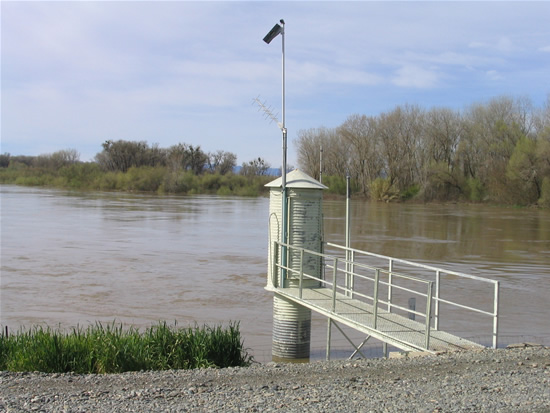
{"points": [[291, 321]]}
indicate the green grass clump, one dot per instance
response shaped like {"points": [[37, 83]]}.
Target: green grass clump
{"points": [[114, 349]]}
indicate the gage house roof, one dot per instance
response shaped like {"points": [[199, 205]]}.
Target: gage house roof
{"points": [[297, 179]]}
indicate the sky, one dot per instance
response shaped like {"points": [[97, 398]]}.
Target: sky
{"points": [[75, 74]]}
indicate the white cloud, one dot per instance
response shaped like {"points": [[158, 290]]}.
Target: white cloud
{"points": [[477, 45], [494, 75], [317, 73], [415, 77], [544, 49], [503, 44]]}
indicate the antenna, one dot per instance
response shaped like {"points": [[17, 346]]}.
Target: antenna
{"points": [[268, 112]]}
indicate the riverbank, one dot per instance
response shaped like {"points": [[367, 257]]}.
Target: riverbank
{"points": [[88, 176], [505, 380]]}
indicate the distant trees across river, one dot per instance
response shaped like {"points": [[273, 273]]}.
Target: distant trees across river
{"points": [[497, 151], [137, 166]]}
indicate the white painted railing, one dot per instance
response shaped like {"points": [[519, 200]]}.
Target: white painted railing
{"points": [[436, 274]]}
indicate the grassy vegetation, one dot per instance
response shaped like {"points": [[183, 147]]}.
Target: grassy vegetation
{"points": [[113, 349], [159, 179]]}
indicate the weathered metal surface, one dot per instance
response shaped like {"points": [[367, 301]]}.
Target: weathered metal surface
{"points": [[274, 227], [305, 231], [291, 329]]}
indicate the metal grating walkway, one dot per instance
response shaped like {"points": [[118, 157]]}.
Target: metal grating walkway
{"points": [[391, 328]]}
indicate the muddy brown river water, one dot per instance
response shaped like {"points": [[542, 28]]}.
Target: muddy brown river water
{"points": [[74, 258]]}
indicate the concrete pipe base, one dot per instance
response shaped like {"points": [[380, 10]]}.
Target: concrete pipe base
{"points": [[291, 331]]}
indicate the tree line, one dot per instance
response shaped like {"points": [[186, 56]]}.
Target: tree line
{"points": [[121, 155], [497, 151], [136, 165]]}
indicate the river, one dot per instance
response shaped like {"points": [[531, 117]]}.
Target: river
{"points": [[74, 258]]}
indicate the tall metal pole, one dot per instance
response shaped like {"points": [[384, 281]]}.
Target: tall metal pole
{"points": [[274, 32], [283, 172]]}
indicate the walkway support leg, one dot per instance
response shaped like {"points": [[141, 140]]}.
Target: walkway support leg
{"points": [[329, 334], [495, 317]]}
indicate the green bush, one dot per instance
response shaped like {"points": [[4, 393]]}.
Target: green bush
{"points": [[79, 175], [188, 183], [224, 191], [336, 184], [476, 189], [249, 190], [211, 182], [544, 200], [410, 192], [381, 189], [34, 180], [107, 181]]}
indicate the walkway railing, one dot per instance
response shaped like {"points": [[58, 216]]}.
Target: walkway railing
{"points": [[436, 276], [371, 284]]}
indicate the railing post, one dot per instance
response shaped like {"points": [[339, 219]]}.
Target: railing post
{"points": [[352, 272], [436, 309], [390, 278], [334, 270], [348, 273], [495, 317], [301, 270], [428, 313], [375, 302]]}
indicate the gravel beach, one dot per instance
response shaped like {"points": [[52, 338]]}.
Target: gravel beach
{"points": [[506, 380]]}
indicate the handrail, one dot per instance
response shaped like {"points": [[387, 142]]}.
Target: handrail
{"points": [[437, 299], [412, 263]]}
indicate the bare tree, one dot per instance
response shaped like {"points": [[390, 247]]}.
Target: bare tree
{"points": [[400, 133], [491, 132], [121, 155], [57, 160], [5, 160], [197, 159], [255, 167], [308, 145], [221, 162], [186, 157], [443, 176], [336, 153], [359, 131]]}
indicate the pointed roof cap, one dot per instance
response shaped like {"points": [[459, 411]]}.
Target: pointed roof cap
{"points": [[297, 179]]}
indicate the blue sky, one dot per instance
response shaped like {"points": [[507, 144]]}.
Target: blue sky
{"points": [[75, 74]]}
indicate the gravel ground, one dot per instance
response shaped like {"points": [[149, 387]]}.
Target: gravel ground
{"points": [[507, 380]]}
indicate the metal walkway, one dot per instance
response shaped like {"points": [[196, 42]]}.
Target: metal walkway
{"points": [[391, 328], [364, 296]]}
